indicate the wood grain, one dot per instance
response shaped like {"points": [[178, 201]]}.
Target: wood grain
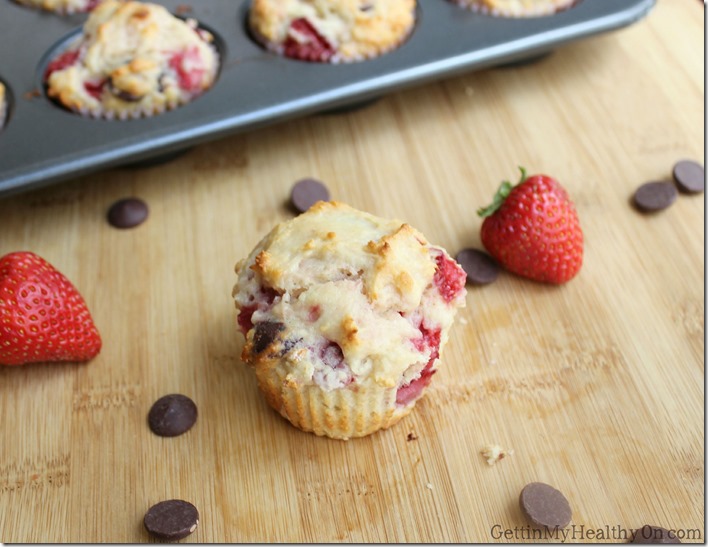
{"points": [[597, 386]]}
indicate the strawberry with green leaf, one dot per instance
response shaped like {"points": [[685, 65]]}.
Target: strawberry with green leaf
{"points": [[43, 317], [532, 229]]}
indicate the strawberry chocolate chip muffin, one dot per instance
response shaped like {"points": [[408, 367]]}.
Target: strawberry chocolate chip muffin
{"points": [[517, 8], [332, 30], [133, 59], [345, 316]]}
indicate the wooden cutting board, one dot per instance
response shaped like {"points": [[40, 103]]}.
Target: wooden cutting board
{"points": [[597, 386]]}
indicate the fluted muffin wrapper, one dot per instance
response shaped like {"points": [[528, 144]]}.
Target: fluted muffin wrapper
{"points": [[349, 412]]}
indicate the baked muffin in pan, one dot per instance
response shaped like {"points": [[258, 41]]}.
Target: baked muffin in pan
{"points": [[332, 31], [133, 59]]}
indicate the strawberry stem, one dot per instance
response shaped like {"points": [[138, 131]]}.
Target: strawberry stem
{"points": [[502, 193]]}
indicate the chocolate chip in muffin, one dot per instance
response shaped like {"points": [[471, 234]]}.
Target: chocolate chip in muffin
{"points": [[172, 415], [171, 520], [481, 268], [128, 213], [545, 506], [655, 196], [689, 176], [306, 192], [265, 334], [654, 534]]}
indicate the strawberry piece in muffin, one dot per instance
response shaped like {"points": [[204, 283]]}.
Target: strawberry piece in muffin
{"points": [[304, 42]]}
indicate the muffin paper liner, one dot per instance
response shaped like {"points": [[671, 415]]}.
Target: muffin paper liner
{"points": [[340, 414]]}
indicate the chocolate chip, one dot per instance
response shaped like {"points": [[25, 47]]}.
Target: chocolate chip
{"points": [[172, 519], [123, 94], [264, 335], [172, 415], [127, 213], [689, 176], [654, 534], [545, 506], [655, 196], [306, 193], [481, 268]]}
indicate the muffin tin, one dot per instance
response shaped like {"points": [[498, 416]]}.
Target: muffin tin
{"points": [[42, 143]]}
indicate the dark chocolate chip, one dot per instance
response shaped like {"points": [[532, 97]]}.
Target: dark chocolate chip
{"points": [[655, 196], [306, 193], [171, 520], [654, 534], [122, 94], [545, 506], [264, 335], [689, 176], [172, 415], [127, 213], [481, 268]]}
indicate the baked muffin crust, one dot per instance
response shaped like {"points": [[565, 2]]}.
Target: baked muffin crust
{"points": [[345, 30], [133, 59]]}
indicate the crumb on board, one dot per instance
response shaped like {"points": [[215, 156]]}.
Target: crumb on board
{"points": [[429, 486], [493, 453], [412, 436]]}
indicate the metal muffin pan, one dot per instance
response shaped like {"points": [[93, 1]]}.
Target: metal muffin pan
{"points": [[42, 143]]}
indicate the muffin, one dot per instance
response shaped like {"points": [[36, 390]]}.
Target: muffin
{"points": [[3, 105], [345, 316], [61, 6], [331, 30], [133, 59], [517, 8]]}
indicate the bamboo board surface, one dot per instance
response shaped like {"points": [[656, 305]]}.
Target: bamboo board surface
{"points": [[597, 386]]}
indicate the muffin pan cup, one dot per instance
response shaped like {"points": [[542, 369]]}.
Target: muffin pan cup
{"points": [[42, 143]]}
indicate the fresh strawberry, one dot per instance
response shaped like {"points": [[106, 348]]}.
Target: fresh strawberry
{"points": [[532, 229], [42, 315], [305, 43]]}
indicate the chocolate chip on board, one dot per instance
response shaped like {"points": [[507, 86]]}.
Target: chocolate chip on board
{"points": [[172, 415], [654, 534], [481, 268], [545, 506], [127, 213], [306, 193], [655, 196], [689, 176], [171, 520]]}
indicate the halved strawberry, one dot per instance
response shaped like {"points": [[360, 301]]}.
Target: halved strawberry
{"points": [[42, 315]]}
